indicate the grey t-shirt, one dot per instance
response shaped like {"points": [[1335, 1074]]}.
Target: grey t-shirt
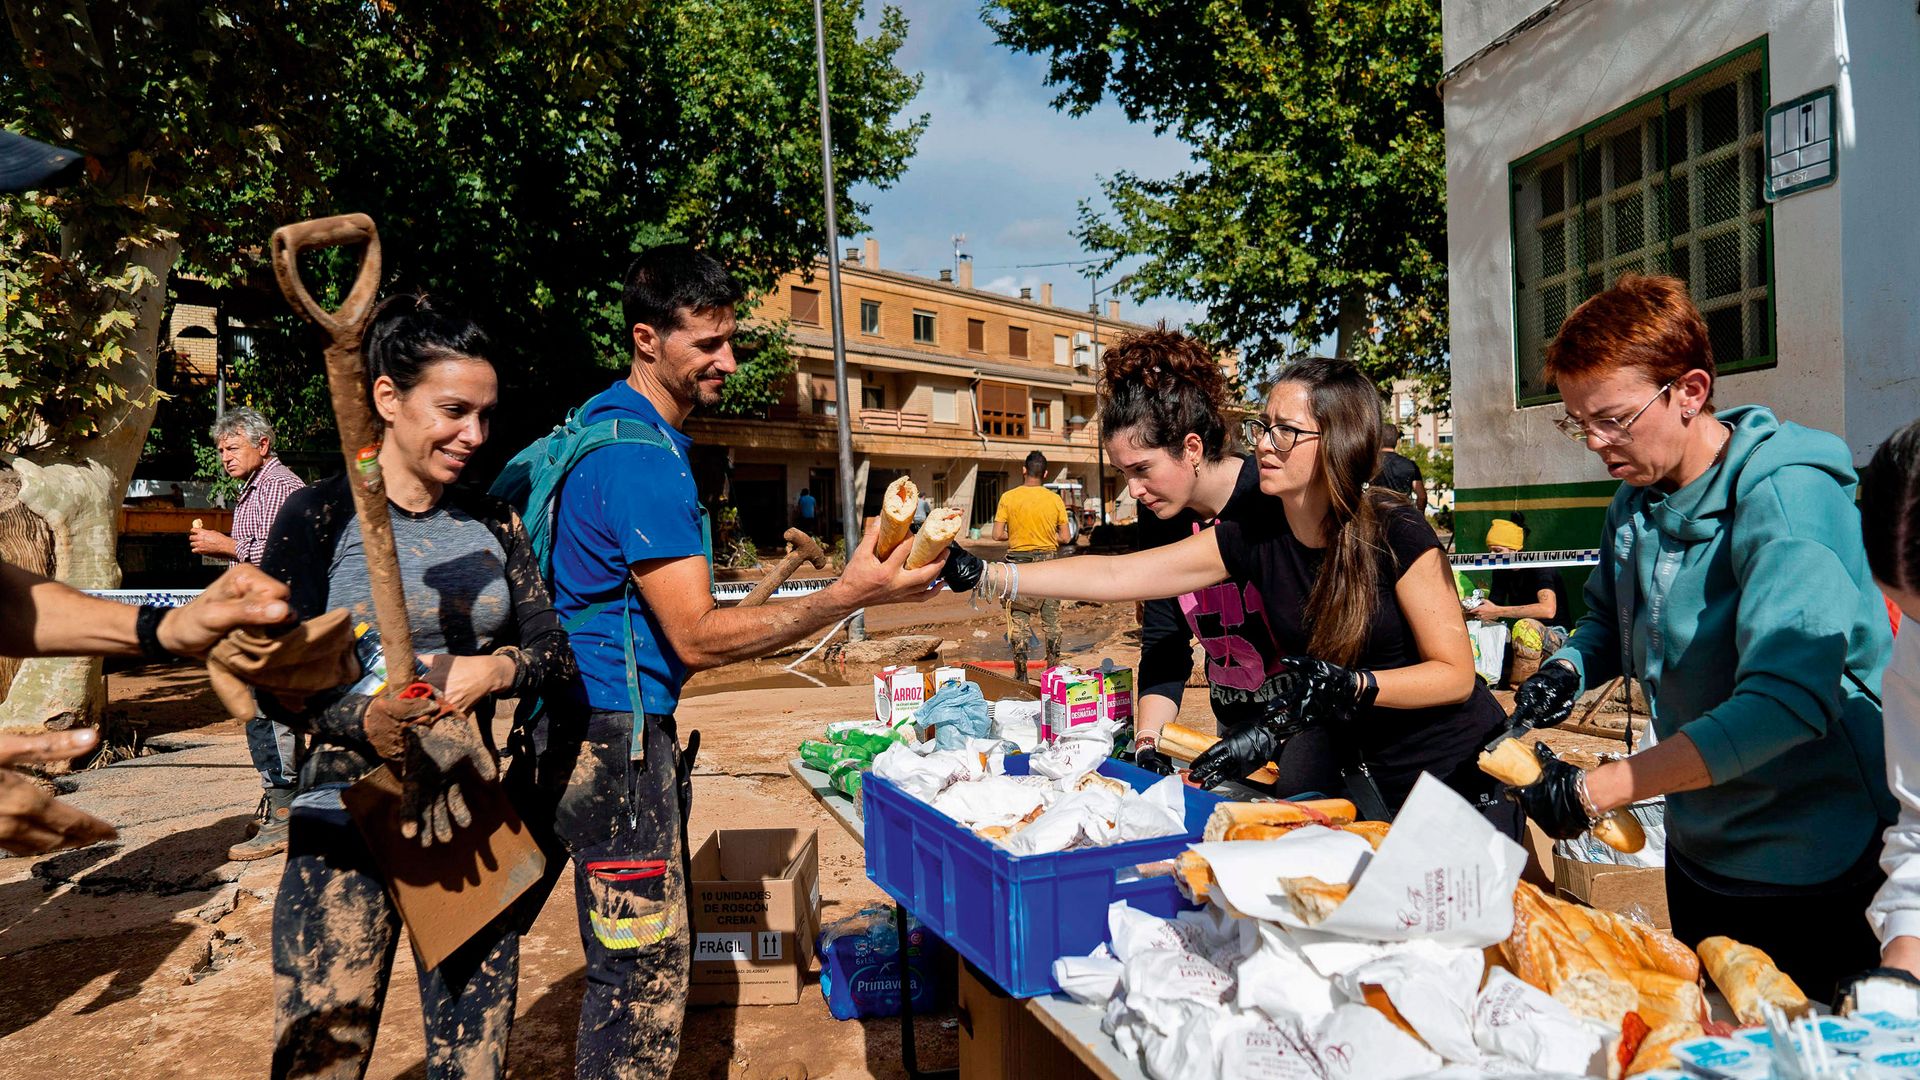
{"points": [[452, 569], [454, 574]]}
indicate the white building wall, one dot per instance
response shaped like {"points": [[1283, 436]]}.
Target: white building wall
{"points": [[1844, 256]]}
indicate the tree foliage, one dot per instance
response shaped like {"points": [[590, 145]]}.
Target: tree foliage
{"points": [[515, 153], [1315, 206]]}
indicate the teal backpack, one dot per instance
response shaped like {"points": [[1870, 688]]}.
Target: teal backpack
{"points": [[531, 484]]}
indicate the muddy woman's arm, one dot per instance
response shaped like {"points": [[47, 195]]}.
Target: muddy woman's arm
{"points": [[1154, 574], [542, 656]]}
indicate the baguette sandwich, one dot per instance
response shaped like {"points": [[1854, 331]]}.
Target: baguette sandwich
{"points": [[1266, 820], [1512, 763], [1750, 980], [1183, 744], [896, 516], [935, 534]]}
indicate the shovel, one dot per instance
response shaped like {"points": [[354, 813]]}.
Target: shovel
{"points": [[359, 436]]}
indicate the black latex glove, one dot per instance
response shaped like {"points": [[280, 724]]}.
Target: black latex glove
{"points": [[1553, 801], [1319, 692], [1547, 698], [1151, 759], [1241, 754], [963, 569]]}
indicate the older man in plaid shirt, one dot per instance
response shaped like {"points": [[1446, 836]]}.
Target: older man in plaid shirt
{"points": [[245, 441]]}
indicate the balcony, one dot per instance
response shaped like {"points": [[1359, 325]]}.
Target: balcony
{"points": [[903, 421]]}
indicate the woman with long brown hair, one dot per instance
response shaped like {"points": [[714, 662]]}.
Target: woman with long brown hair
{"points": [[1356, 594]]}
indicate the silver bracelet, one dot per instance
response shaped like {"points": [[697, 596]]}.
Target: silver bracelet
{"points": [[1586, 798]]}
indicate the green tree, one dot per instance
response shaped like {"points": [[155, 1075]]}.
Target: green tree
{"points": [[1315, 206], [515, 155]]}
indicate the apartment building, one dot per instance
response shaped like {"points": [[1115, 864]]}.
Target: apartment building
{"points": [[1411, 411], [946, 383]]}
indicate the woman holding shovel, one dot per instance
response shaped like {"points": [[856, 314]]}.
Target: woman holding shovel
{"points": [[484, 626]]}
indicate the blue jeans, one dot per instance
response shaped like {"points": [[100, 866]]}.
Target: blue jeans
{"points": [[271, 746]]}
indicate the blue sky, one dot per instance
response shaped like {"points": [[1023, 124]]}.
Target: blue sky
{"points": [[1001, 165]]}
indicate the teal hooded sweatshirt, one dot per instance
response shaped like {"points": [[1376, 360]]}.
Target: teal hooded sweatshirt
{"points": [[1742, 601]]}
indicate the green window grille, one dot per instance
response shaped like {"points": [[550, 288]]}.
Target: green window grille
{"points": [[1669, 184]]}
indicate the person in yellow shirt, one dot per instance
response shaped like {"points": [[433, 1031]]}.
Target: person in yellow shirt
{"points": [[1033, 521]]}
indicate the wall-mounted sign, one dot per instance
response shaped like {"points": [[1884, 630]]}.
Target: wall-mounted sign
{"points": [[1802, 153]]}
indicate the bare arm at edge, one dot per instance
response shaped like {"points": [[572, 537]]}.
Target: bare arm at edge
{"points": [[1153, 574]]}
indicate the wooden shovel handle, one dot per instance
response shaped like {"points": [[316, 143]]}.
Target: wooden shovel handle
{"points": [[359, 435], [343, 230]]}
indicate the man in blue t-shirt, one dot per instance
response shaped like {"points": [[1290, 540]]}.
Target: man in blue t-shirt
{"points": [[629, 513], [803, 516]]}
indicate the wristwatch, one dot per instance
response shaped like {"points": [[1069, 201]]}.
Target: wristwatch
{"points": [[146, 630]]}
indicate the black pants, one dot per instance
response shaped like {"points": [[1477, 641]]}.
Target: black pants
{"points": [[623, 824], [334, 933], [1817, 934]]}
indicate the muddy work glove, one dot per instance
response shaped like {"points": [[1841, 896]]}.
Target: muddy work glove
{"points": [[1556, 801], [440, 756]]}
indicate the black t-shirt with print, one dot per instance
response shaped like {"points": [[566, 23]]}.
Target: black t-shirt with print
{"points": [[1522, 586], [1397, 743]]}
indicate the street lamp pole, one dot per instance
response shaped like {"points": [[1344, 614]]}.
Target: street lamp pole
{"points": [[849, 510], [1099, 439]]}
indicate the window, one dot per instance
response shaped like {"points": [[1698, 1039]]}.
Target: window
{"points": [[923, 328], [1062, 350], [945, 405], [1671, 184], [1003, 410], [976, 335], [1017, 342], [825, 402], [1446, 440], [873, 397], [870, 317], [805, 304], [1406, 406], [1043, 415]]}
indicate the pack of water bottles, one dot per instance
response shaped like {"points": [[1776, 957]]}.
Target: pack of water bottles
{"points": [[863, 965]]}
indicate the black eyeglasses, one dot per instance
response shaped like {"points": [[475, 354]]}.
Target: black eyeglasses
{"points": [[1279, 437]]}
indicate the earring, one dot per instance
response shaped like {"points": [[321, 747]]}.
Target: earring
{"points": [[1196, 468], [1689, 413]]}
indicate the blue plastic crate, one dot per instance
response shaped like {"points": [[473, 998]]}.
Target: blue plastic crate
{"points": [[1013, 915]]}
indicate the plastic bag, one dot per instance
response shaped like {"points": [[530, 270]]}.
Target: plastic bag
{"points": [[860, 966]]}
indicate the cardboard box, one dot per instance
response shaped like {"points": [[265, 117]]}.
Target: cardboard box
{"points": [[1636, 890], [1073, 697], [756, 912], [898, 693]]}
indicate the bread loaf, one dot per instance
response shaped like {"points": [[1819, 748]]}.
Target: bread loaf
{"points": [[1512, 763], [1265, 820], [1182, 743], [1652, 947], [1656, 1050], [1544, 951], [896, 516], [1666, 999], [1371, 831], [1750, 979], [935, 534], [1313, 900], [1376, 998]]}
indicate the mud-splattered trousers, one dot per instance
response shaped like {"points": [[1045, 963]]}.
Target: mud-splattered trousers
{"points": [[335, 930], [624, 825], [1020, 616]]}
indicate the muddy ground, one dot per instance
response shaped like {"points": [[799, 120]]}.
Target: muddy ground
{"points": [[150, 957]]}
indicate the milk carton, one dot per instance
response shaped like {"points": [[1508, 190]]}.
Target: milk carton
{"points": [[1069, 697], [898, 693]]}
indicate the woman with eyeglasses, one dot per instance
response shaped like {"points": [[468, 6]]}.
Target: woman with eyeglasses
{"points": [[1163, 412], [1353, 587], [1733, 584]]}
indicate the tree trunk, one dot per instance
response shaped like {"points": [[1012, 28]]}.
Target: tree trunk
{"points": [[75, 492], [1350, 324]]}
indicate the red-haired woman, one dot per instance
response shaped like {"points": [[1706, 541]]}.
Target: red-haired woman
{"points": [[1357, 596], [1733, 584]]}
